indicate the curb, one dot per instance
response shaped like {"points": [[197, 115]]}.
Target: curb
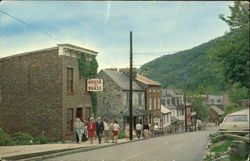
{"points": [[56, 153], [39, 156]]}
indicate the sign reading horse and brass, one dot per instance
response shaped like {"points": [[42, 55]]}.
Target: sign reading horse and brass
{"points": [[95, 85]]}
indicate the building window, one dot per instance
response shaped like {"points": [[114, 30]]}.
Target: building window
{"points": [[168, 101], [87, 113], [69, 120], [159, 103], [139, 99], [150, 103], [173, 101], [70, 80], [219, 100], [212, 101], [155, 103]]}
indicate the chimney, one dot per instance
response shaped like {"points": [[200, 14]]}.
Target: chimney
{"points": [[112, 69], [126, 71]]}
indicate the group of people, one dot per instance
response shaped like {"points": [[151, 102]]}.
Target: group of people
{"points": [[95, 129], [140, 130]]}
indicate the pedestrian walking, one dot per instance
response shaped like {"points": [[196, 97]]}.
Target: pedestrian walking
{"points": [[156, 129], [106, 130], [111, 128], [126, 131], [84, 135], [99, 129], [116, 131], [79, 129], [139, 128], [91, 129], [146, 129]]}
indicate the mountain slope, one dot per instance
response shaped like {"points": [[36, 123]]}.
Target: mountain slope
{"points": [[190, 70]]}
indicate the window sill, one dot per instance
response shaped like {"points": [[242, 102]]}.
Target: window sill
{"points": [[86, 93], [69, 133], [71, 93]]}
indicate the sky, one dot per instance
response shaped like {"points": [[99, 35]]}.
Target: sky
{"points": [[158, 28]]}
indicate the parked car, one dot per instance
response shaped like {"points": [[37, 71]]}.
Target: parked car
{"points": [[236, 122]]}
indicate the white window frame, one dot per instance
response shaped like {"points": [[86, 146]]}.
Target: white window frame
{"points": [[150, 103], [155, 104]]}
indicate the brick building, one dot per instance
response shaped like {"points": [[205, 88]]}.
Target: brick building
{"points": [[152, 98], [42, 93]]}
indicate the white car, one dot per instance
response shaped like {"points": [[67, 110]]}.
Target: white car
{"points": [[236, 122]]}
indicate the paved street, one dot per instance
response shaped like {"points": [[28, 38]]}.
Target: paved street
{"points": [[178, 147]]}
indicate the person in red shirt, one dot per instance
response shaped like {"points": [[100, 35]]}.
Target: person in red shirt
{"points": [[91, 129]]}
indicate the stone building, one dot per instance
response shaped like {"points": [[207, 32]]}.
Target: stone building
{"points": [[113, 101], [42, 93]]}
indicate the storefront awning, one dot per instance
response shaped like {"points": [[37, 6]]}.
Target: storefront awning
{"points": [[176, 121]]}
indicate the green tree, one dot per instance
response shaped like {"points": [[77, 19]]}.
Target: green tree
{"points": [[199, 106], [232, 50], [236, 93]]}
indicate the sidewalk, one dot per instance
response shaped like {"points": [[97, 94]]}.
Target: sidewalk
{"points": [[27, 151]]}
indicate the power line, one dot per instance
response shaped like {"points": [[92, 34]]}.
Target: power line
{"points": [[155, 53], [31, 26], [92, 25]]}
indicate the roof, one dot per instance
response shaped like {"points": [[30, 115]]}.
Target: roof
{"points": [[136, 112], [216, 109], [180, 106], [241, 112], [122, 80], [146, 80], [165, 110], [70, 46], [171, 107]]}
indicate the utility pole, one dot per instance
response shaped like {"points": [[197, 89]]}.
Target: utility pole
{"points": [[131, 90], [185, 104]]}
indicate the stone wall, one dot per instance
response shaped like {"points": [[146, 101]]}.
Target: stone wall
{"points": [[110, 100], [31, 88]]}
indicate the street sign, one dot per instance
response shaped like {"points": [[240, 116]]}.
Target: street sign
{"points": [[95, 85]]}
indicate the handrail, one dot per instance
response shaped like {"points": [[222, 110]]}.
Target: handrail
{"points": [[241, 138]]}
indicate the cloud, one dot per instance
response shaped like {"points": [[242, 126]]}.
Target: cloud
{"points": [[156, 26], [108, 10]]}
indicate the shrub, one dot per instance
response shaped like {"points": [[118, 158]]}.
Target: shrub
{"points": [[5, 139], [23, 139], [222, 147], [41, 140], [121, 136]]}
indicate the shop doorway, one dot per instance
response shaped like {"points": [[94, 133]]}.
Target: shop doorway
{"points": [[79, 113]]}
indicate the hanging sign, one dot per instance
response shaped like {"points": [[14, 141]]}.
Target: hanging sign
{"points": [[95, 85]]}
